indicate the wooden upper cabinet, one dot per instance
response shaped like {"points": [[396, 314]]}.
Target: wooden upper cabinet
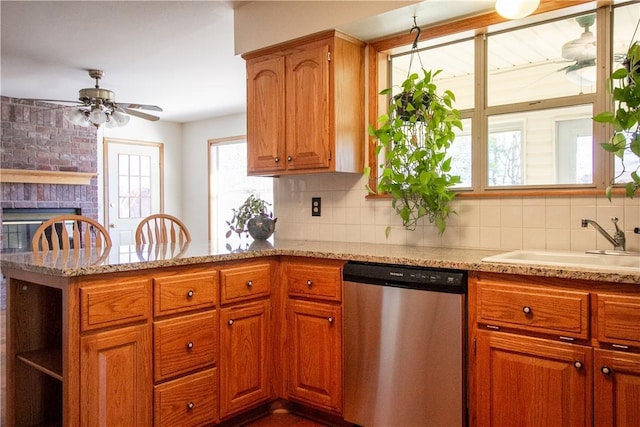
{"points": [[305, 106], [265, 107]]}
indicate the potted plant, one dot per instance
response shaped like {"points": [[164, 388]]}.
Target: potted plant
{"points": [[415, 134], [252, 218], [624, 86]]}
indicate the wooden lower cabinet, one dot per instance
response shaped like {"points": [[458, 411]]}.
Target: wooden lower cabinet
{"points": [[617, 388], [532, 382], [116, 377], [188, 401], [244, 356], [315, 354]]}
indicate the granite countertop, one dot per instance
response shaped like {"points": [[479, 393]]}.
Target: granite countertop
{"points": [[131, 258]]}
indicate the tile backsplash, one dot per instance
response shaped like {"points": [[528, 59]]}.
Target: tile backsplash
{"points": [[551, 223]]}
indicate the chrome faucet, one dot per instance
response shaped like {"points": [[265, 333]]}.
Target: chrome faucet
{"points": [[617, 240]]}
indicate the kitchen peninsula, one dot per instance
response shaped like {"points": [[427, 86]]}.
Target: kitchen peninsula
{"points": [[149, 334]]}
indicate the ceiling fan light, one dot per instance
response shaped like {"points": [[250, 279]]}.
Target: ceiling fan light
{"points": [[119, 119], [76, 117], [516, 9], [97, 116]]}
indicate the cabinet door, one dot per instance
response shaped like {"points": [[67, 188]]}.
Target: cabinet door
{"points": [[315, 365], [244, 356], [307, 104], [265, 115], [115, 378], [616, 388], [532, 382]]}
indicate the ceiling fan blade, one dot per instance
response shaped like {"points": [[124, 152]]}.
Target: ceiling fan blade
{"points": [[140, 114], [140, 106], [52, 101]]}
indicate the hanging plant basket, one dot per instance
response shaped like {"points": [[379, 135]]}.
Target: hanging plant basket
{"points": [[411, 103]]}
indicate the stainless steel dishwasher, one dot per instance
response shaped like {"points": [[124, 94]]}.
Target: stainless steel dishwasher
{"points": [[405, 346]]}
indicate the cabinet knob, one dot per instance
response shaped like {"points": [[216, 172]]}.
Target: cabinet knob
{"points": [[330, 319], [250, 284], [526, 309], [289, 158], [277, 160], [309, 283], [605, 370], [190, 406], [577, 364], [190, 346], [190, 293], [230, 322]]}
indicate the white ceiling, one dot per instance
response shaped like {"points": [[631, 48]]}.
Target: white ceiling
{"points": [[177, 55]]}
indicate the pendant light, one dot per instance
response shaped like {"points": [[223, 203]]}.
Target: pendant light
{"points": [[516, 9]]}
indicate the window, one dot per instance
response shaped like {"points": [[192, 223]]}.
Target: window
{"points": [[229, 185], [532, 126]]}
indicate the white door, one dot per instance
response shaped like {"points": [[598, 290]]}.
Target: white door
{"points": [[134, 180]]}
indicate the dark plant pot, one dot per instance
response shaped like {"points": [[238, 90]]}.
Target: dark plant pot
{"points": [[406, 98], [635, 71], [261, 227]]}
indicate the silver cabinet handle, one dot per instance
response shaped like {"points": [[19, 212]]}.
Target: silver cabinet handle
{"points": [[330, 319], [605, 370], [309, 283], [250, 284], [190, 293], [526, 309], [230, 322], [190, 406], [190, 346], [577, 364]]}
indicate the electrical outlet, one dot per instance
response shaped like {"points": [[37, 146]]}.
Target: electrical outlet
{"points": [[316, 206]]}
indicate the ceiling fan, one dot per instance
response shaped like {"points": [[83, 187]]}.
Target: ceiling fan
{"points": [[98, 106], [582, 52]]}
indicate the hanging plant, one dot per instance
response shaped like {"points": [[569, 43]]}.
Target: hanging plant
{"points": [[624, 86], [415, 135]]}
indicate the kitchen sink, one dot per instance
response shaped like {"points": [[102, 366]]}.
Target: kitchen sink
{"points": [[601, 260]]}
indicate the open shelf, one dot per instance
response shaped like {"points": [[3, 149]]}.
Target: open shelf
{"points": [[48, 361]]}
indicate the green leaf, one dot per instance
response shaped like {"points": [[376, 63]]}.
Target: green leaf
{"points": [[387, 232], [605, 117], [620, 73]]}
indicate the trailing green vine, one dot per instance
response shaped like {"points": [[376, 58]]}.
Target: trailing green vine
{"points": [[415, 134]]}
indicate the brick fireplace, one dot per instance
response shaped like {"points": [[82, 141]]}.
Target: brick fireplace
{"points": [[36, 137]]}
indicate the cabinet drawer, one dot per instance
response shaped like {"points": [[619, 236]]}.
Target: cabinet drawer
{"points": [[245, 282], [314, 281], [181, 293], [116, 304], [188, 401], [184, 344], [550, 311], [619, 319]]}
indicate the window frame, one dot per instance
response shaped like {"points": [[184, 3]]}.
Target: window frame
{"points": [[379, 53]]}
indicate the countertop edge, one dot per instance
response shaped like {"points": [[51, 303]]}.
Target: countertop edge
{"points": [[446, 258]]}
